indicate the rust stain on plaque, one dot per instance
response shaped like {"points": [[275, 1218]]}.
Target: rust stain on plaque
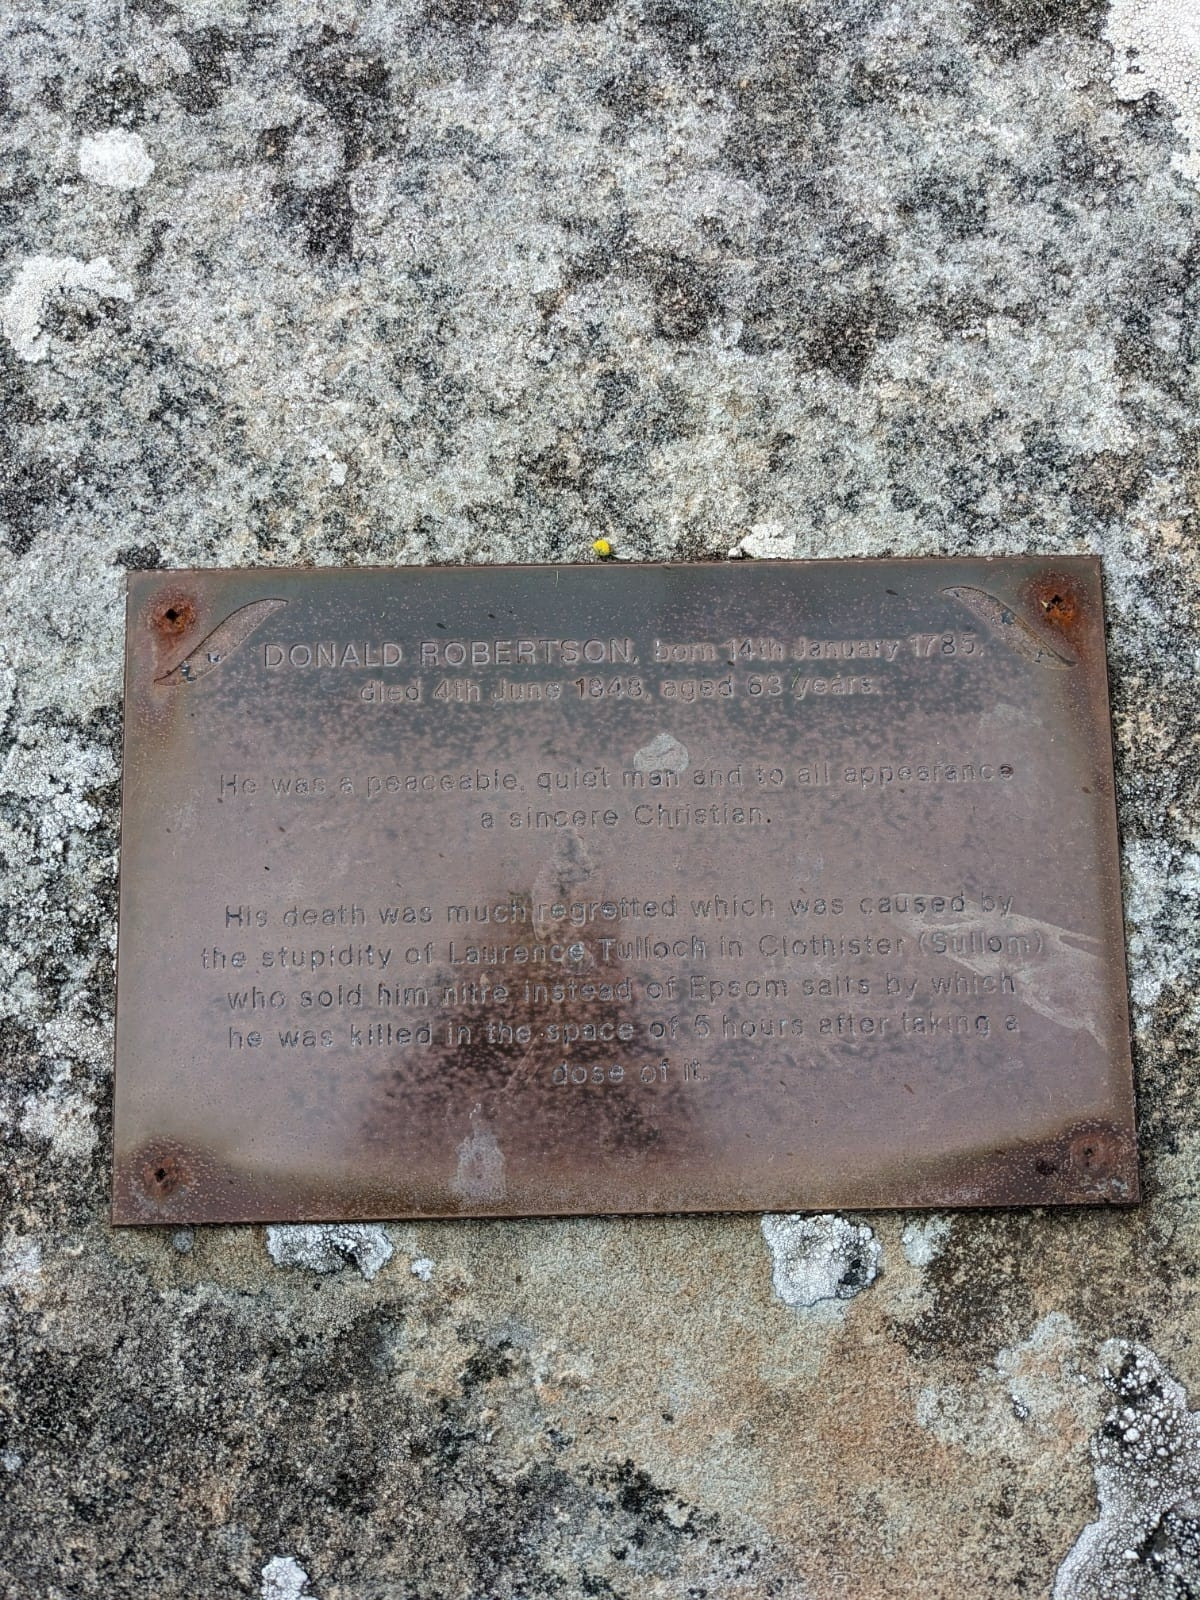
{"points": [[505, 891]]}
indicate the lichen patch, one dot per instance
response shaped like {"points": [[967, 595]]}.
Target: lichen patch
{"points": [[820, 1258], [327, 1247], [1145, 1542]]}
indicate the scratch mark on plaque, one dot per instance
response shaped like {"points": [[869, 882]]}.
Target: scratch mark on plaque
{"points": [[569, 865], [1055, 971], [664, 753], [220, 644], [1008, 626], [480, 1171]]}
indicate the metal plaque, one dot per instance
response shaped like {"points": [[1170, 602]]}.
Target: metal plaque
{"points": [[535, 890]]}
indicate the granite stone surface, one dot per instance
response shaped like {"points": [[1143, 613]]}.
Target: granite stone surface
{"points": [[484, 280]]}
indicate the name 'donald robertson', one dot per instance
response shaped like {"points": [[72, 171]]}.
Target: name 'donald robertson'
{"points": [[435, 653]]}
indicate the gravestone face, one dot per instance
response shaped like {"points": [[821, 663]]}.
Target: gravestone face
{"points": [[432, 284], [657, 889]]}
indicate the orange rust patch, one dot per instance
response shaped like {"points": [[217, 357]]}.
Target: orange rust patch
{"points": [[1057, 600], [164, 1175], [1058, 603], [173, 615]]}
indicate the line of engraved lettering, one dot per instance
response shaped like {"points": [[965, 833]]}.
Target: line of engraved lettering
{"points": [[805, 649], [332, 653], [685, 653], [717, 815], [954, 643], [527, 652], [644, 947], [761, 649], [498, 955]]}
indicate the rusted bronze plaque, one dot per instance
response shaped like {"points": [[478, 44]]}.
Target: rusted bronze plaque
{"points": [[760, 886]]}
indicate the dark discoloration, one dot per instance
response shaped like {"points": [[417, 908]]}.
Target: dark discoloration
{"points": [[685, 298], [1016, 25], [349, 1446], [352, 86], [324, 216], [117, 99], [846, 331], [200, 89], [26, 494], [1109, 482], [474, 13], [138, 557]]}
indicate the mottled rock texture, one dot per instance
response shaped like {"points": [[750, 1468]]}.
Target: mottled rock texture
{"points": [[487, 280]]}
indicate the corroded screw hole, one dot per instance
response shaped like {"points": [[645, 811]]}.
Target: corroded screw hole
{"points": [[175, 617], [163, 1176], [1059, 607]]}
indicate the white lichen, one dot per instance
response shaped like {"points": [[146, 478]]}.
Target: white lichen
{"points": [[1146, 1458], [767, 541], [42, 279], [820, 1258], [62, 1116], [115, 159], [327, 1247], [923, 1239], [1041, 1371], [422, 1267], [1156, 48], [20, 1264], [1162, 892], [283, 1578]]}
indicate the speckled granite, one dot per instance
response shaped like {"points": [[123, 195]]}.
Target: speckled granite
{"points": [[486, 280]]}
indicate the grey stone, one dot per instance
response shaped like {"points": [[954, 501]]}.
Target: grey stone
{"points": [[469, 280]]}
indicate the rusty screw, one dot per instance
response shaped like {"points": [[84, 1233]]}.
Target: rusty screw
{"points": [[174, 616], [1059, 606], [162, 1176]]}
